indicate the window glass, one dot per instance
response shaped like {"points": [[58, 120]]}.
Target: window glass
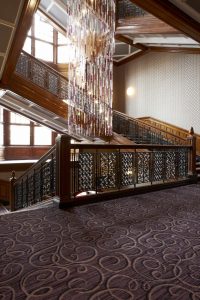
{"points": [[1, 134], [42, 136], [27, 45], [65, 54], [1, 114], [43, 51], [17, 119], [43, 30], [19, 135], [62, 40]]}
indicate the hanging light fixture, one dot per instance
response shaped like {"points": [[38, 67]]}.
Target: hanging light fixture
{"points": [[90, 27]]}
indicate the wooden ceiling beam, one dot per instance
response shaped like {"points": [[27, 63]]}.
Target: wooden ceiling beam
{"points": [[147, 24], [169, 13], [129, 41], [130, 58], [23, 27], [175, 49]]}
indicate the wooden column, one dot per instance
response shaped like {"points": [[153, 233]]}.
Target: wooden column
{"points": [[63, 170], [192, 157]]}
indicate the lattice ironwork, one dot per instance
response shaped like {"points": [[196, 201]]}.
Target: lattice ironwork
{"points": [[171, 164], [128, 168], [158, 166], [86, 172], [107, 170], [182, 163], [127, 9], [40, 182], [38, 75], [53, 83], [23, 66], [142, 133], [143, 167]]}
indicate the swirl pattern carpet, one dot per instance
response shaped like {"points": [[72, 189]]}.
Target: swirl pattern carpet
{"points": [[140, 247]]}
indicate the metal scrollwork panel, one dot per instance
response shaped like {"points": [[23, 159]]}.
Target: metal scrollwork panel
{"points": [[86, 172], [53, 83], [107, 176], [170, 158], [38, 75], [127, 168], [143, 167], [157, 166]]}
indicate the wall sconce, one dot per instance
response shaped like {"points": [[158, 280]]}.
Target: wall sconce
{"points": [[130, 91]]}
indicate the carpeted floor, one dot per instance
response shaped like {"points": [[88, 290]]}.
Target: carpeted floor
{"points": [[139, 247]]}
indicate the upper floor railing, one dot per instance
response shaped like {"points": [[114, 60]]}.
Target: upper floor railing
{"points": [[42, 75], [77, 172]]}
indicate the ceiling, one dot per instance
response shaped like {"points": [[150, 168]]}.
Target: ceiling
{"points": [[141, 28], [9, 16], [135, 25]]}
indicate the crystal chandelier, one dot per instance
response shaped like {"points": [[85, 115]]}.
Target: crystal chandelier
{"points": [[90, 27]]}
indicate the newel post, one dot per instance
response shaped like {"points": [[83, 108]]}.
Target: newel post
{"points": [[12, 191], [63, 170], [192, 157]]}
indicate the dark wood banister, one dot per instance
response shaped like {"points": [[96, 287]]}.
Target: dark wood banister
{"points": [[39, 162], [149, 126]]}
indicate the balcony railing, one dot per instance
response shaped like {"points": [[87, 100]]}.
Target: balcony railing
{"points": [[77, 172], [42, 75]]}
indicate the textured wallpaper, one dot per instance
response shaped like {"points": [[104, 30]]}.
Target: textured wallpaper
{"points": [[167, 87]]}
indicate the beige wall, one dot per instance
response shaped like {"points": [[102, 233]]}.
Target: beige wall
{"points": [[167, 87]]}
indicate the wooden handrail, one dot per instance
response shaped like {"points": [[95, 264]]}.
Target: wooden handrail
{"points": [[43, 64], [144, 124], [179, 130], [34, 166]]}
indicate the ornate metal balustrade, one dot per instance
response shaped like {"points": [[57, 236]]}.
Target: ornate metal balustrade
{"points": [[42, 75], [126, 8], [141, 133], [73, 170], [37, 183], [109, 168]]}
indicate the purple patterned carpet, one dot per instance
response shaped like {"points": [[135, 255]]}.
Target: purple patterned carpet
{"points": [[139, 247]]}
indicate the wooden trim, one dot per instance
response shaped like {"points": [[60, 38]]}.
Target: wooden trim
{"points": [[130, 58], [9, 167], [51, 21], [129, 41], [6, 127], [15, 152], [178, 131], [147, 24], [175, 50], [23, 26], [38, 95], [172, 15]]}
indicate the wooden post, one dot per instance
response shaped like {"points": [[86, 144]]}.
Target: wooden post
{"points": [[12, 191], [63, 170], [192, 157]]}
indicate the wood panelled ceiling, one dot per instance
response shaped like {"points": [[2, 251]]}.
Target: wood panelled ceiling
{"points": [[165, 26], [15, 21], [10, 12]]}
